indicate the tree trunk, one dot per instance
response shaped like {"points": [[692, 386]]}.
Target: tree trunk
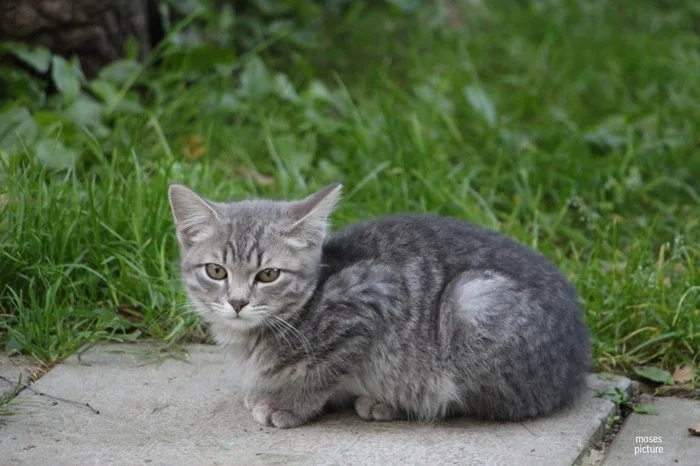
{"points": [[94, 30]]}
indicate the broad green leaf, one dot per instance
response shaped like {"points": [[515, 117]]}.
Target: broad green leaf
{"points": [[37, 57], [119, 72], [55, 155], [645, 408], [274, 7], [16, 126], [105, 90], [481, 103], [114, 101], [47, 118], [655, 374], [285, 89], [615, 395], [85, 111], [318, 91], [255, 79], [65, 77], [13, 346]]}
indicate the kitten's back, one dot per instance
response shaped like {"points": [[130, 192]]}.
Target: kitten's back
{"points": [[510, 321], [453, 244]]}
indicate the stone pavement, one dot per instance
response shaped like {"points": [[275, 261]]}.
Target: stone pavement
{"points": [[174, 412], [658, 440], [15, 369]]}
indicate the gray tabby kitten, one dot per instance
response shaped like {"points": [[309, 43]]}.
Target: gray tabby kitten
{"points": [[407, 316]]}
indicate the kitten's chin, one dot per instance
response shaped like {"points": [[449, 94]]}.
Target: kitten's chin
{"points": [[232, 331], [237, 324]]}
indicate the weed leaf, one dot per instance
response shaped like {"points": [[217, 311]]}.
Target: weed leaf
{"points": [[65, 77], [654, 374], [55, 155], [255, 79], [39, 58], [13, 346], [119, 72], [16, 124], [645, 408], [481, 103]]}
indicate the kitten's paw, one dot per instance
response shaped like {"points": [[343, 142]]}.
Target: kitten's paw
{"points": [[251, 400], [372, 410], [267, 414]]}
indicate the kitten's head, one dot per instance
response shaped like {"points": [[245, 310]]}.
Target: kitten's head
{"points": [[248, 263]]}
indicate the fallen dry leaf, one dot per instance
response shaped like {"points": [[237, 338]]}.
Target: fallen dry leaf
{"points": [[39, 372], [678, 269], [695, 430], [193, 146], [259, 178], [684, 375]]}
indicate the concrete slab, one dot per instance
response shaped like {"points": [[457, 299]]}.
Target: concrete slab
{"points": [[190, 413], [14, 368], [662, 439]]}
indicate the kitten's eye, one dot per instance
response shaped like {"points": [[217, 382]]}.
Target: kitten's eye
{"points": [[267, 275], [215, 271]]}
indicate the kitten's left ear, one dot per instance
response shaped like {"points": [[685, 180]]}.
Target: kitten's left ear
{"points": [[310, 215]]}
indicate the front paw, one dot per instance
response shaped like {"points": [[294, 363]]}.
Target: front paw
{"points": [[372, 410], [251, 399], [267, 414]]}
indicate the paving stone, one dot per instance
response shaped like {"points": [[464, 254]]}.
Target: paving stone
{"points": [[661, 439], [156, 411]]}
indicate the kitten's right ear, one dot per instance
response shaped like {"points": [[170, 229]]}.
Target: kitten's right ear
{"points": [[194, 217], [310, 215]]}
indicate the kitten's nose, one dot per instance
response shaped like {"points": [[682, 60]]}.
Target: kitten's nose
{"points": [[238, 304]]}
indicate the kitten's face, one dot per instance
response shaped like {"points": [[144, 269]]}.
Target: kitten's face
{"points": [[247, 265]]}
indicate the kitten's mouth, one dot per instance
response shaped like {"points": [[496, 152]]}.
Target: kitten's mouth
{"points": [[221, 315], [242, 321]]}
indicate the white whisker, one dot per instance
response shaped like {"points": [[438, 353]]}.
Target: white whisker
{"points": [[302, 338]]}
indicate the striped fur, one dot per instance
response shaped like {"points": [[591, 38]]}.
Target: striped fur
{"points": [[407, 316]]}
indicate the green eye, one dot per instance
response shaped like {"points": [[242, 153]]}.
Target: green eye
{"points": [[267, 275], [215, 271]]}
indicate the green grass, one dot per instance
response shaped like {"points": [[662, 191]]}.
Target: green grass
{"points": [[571, 126], [6, 399]]}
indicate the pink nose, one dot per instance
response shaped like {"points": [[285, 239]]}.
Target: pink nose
{"points": [[238, 304]]}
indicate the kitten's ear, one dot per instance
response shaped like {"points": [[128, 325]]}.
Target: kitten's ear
{"points": [[194, 217], [310, 215]]}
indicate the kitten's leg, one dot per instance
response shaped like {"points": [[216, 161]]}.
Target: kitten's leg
{"points": [[268, 412], [288, 408], [345, 321], [372, 410], [250, 400]]}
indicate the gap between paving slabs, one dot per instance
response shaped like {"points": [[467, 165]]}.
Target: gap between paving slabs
{"points": [[171, 410], [16, 372], [661, 439]]}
